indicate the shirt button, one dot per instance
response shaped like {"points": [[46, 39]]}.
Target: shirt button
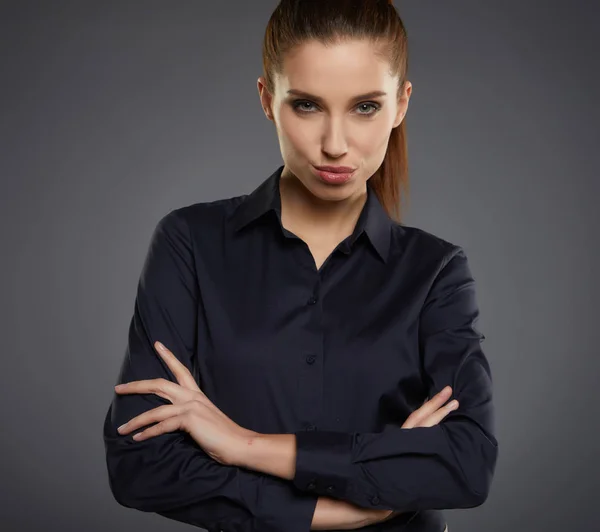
{"points": [[312, 300], [375, 500], [310, 359], [330, 489], [311, 486]]}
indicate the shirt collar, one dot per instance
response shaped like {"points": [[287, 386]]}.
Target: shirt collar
{"points": [[373, 219]]}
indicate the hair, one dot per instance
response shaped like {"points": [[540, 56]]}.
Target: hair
{"points": [[332, 21]]}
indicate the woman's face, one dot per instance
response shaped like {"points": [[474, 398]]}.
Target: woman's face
{"points": [[328, 122]]}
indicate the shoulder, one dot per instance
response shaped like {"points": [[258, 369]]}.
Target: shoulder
{"points": [[425, 245], [206, 214]]}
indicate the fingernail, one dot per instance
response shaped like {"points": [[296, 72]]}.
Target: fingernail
{"points": [[160, 346], [452, 404]]}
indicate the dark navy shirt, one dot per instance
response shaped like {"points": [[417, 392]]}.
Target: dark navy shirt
{"points": [[339, 356]]}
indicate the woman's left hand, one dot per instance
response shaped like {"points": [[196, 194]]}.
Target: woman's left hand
{"points": [[191, 411]]}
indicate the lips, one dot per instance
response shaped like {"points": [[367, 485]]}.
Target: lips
{"points": [[339, 175], [336, 169]]}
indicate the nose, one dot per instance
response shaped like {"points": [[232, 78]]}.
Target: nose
{"points": [[334, 139]]}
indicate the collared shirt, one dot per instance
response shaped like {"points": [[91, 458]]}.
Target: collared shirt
{"points": [[339, 356]]}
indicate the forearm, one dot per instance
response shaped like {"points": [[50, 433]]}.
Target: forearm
{"points": [[273, 454], [333, 514]]}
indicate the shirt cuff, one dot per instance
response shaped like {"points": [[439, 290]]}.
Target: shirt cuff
{"points": [[273, 504], [323, 462]]}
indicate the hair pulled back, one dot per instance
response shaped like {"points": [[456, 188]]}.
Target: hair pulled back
{"points": [[333, 21]]}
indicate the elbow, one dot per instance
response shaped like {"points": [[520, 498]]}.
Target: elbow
{"points": [[472, 499], [472, 492], [128, 496], [475, 453], [481, 470], [122, 499], [121, 488], [129, 481], [129, 467], [120, 495]]}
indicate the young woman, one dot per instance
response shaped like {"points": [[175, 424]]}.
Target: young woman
{"points": [[313, 341]]}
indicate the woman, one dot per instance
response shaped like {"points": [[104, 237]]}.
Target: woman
{"points": [[313, 341]]}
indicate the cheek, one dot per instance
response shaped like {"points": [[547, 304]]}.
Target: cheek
{"points": [[373, 137], [296, 133]]}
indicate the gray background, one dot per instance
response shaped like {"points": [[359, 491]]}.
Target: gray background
{"points": [[114, 113]]}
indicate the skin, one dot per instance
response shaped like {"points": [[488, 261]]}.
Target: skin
{"points": [[339, 130]]}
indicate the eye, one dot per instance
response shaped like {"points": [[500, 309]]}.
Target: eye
{"points": [[297, 103], [373, 105], [300, 107]]}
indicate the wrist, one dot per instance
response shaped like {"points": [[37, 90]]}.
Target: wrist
{"points": [[242, 447], [336, 514], [273, 454], [378, 516]]}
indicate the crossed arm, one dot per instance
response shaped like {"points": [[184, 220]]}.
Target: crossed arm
{"points": [[374, 471], [232, 445]]}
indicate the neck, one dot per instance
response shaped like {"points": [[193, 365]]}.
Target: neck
{"points": [[308, 214]]}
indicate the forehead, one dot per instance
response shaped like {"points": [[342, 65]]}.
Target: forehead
{"points": [[318, 68]]}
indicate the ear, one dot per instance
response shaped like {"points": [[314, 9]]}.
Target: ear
{"points": [[399, 117], [266, 99], [403, 99]]}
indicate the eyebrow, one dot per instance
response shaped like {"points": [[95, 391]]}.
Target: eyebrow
{"points": [[302, 94]]}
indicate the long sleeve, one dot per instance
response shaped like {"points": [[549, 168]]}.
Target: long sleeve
{"points": [[449, 465], [170, 474]]}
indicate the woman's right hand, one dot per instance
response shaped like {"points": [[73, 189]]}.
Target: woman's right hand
{"points": [[430, 413]]}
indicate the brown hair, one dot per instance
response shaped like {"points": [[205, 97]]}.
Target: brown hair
{"points": [[331, 21]]}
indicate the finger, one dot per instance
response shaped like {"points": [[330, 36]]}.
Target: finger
{"points": [[439, 414], [430, 406], [182, 374], [168, 425], [161, 387], [151, 416]]}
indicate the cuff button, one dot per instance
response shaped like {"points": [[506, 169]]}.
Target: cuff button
{"points": [[375, 500], [330, 489], [311, 486]]}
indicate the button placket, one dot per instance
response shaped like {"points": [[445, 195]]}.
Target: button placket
{"points": [[314, 297], [310, 375]]}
